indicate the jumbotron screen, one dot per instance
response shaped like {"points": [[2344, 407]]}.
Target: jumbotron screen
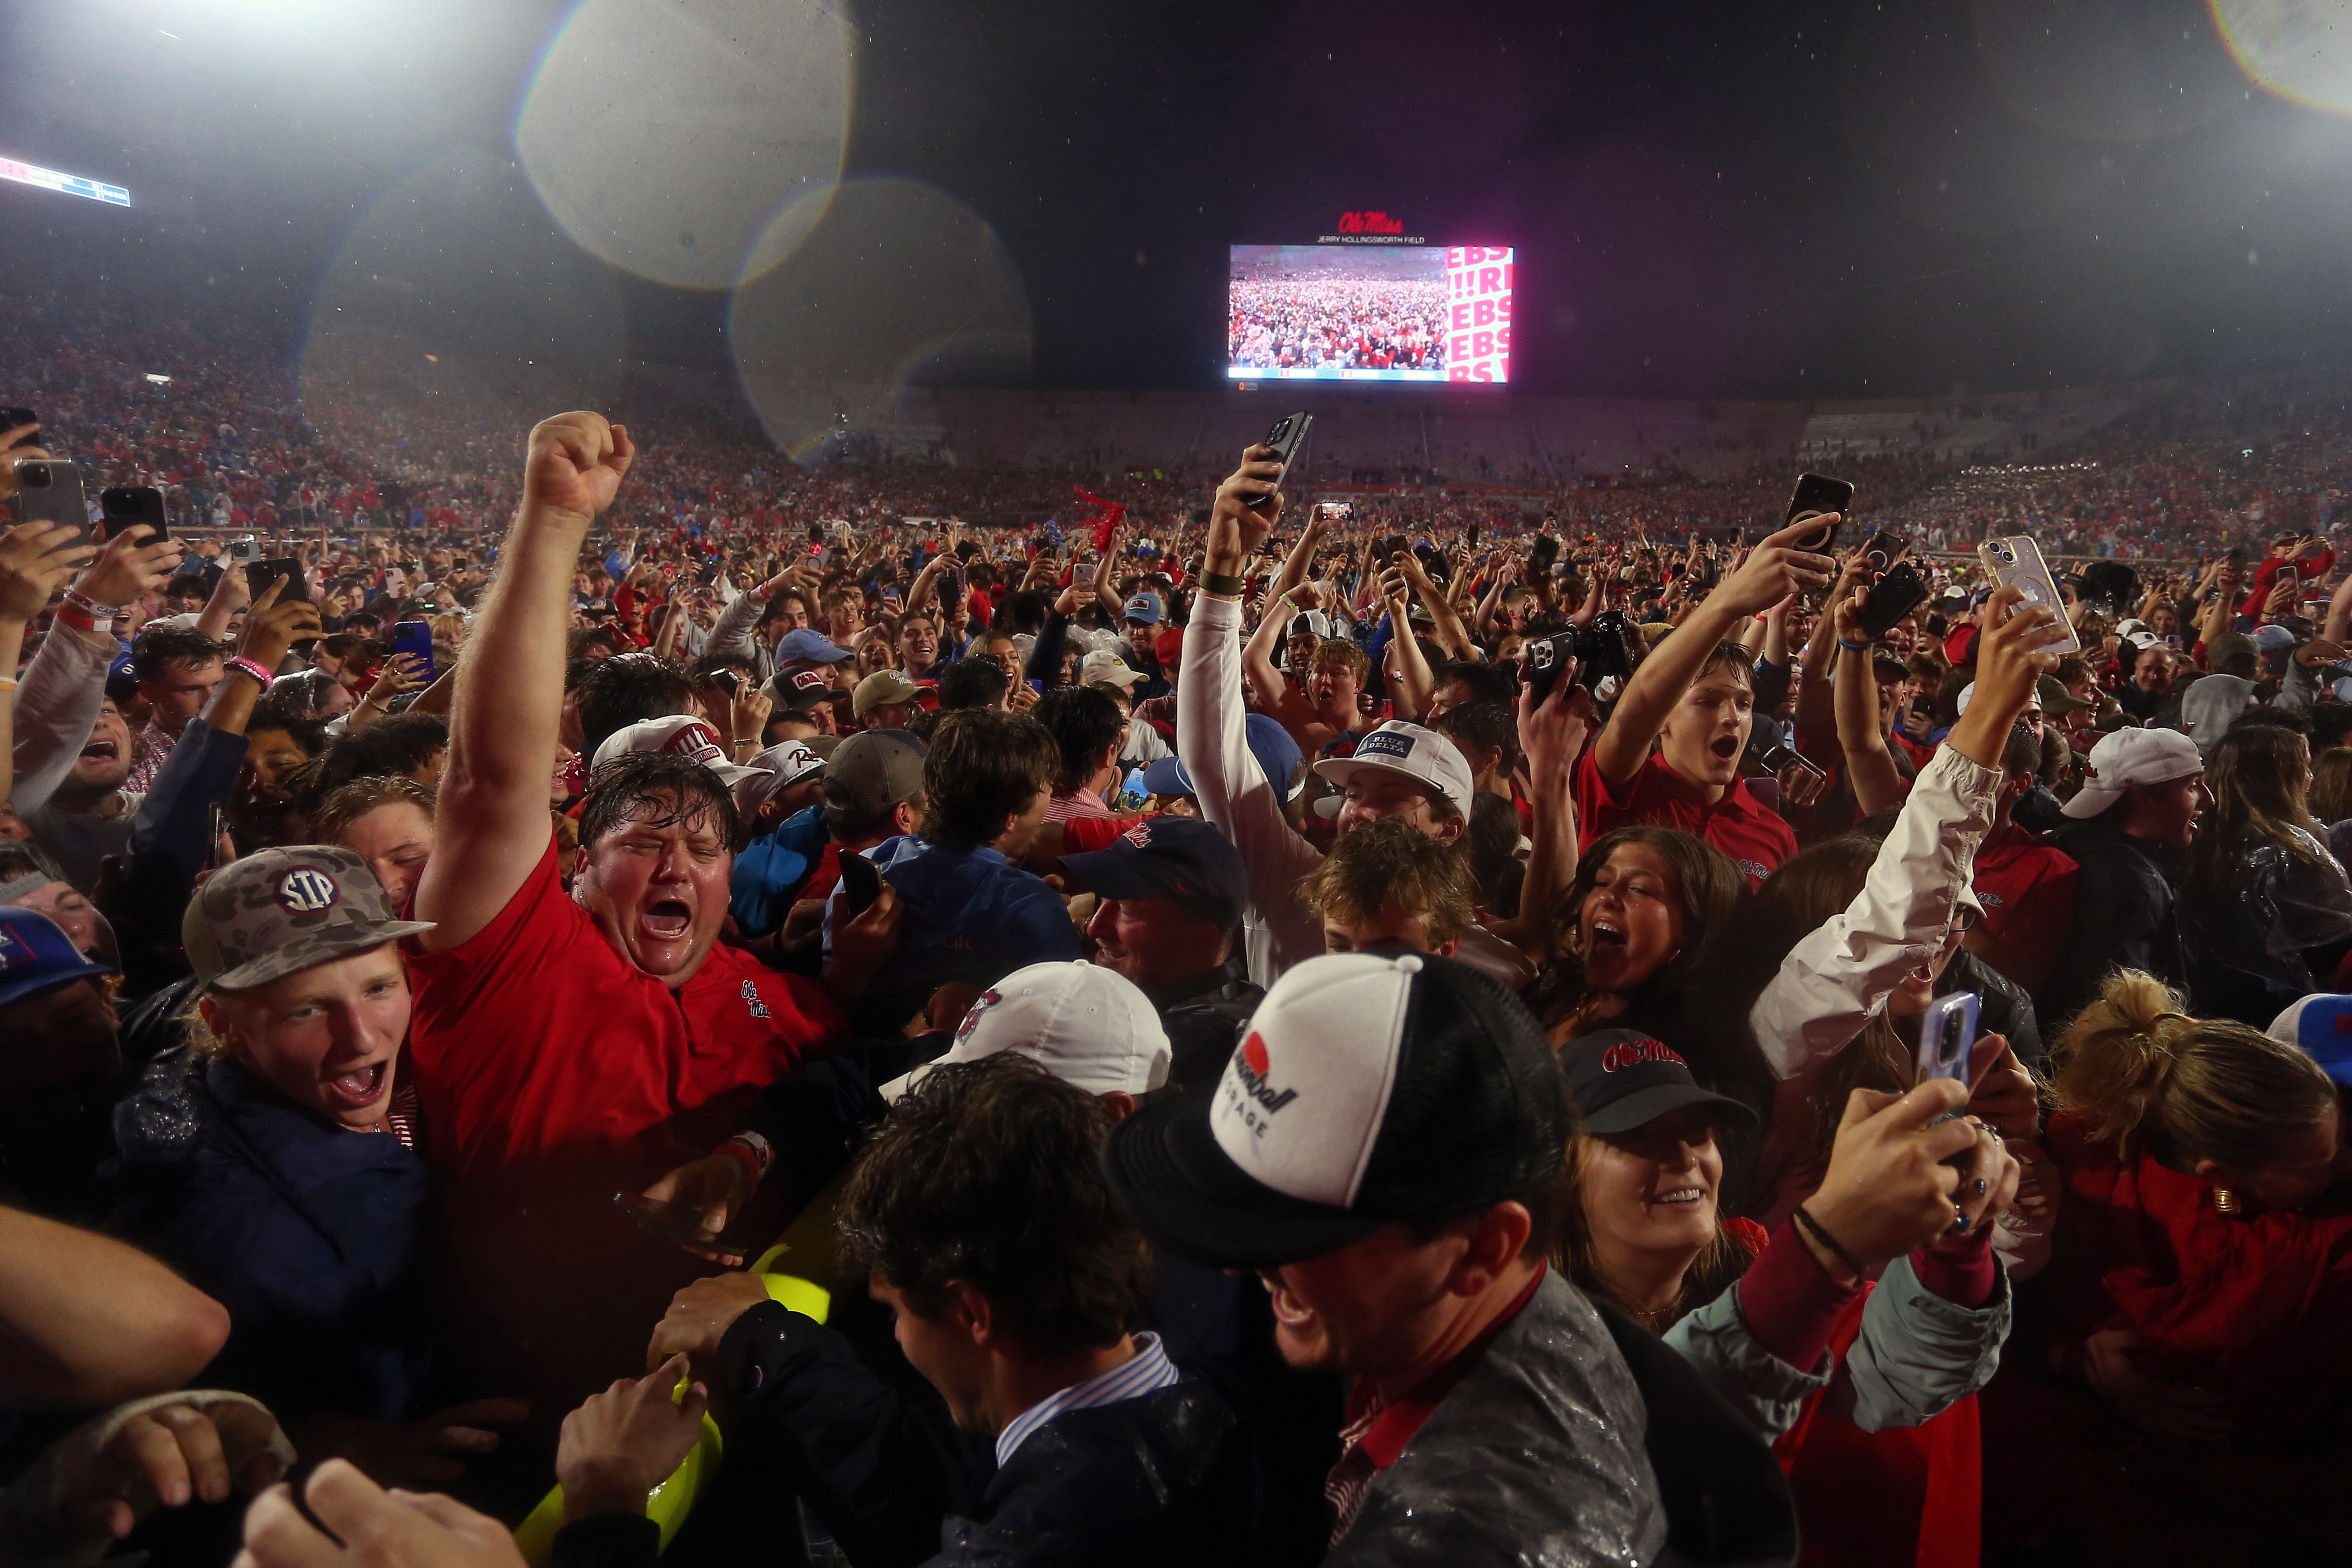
{"points": [[1367, 312]]}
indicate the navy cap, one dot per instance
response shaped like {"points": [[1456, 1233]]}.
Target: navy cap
{"points": [[1178, 858], [1622, 1079], [34, 954]]}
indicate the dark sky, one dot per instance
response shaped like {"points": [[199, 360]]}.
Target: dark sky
{"points": [[1708, 199]]}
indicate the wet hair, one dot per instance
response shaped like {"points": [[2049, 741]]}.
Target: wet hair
{"points": [[1484, 682], [2255, 773], [397, 744], [1392, 862], [661, 789], [2144, 1072], [626, 690], [151, 651], [1085, 724], [305, 690], [973, 683], [1488, 726], [292, 718], [2021, 752], [587, 637], [989, 1172], [1727, 656], [1493, 846], [1340, 654], [343, 805], [984, 765], [2331, 785]]}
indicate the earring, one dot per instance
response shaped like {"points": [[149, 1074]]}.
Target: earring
{"points": [[2225, 1201]]}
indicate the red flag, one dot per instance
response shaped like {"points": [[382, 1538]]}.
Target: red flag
{"points": [[1107, 516]]}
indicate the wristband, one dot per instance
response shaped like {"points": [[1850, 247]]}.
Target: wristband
{"points": [[79, 619], [1813, 1228], [1856, 646], [252, 670], [103, 612], [750, 1161], [762, 1152], [1219, 583]]}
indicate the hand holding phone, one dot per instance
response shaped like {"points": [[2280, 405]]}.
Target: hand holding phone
{"points": [[1818, 494], [1288, 435]]}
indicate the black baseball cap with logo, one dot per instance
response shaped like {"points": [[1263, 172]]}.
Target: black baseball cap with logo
{"points": [[1624, 1079], [1369, 1088], [1178, 858]]}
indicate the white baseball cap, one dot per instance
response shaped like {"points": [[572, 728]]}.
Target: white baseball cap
{"points": [[680, 735], [2128, 758], [1103, 667], [1413, 750], [1086, 1025], [2032, 701], [774, 769]]}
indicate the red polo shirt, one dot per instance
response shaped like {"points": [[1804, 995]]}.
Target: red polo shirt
{"points": [[2027, 891], [1756, 838], [553, 1073]]}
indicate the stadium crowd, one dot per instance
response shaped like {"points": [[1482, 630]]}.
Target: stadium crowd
{"points": [[1336, 324], [659, 1001]]}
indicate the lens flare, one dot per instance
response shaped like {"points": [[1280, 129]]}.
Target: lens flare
{"points": [[2299, 50], [662, 136], [899, 286], [454, 301]]}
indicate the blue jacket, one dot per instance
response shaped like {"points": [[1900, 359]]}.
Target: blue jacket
{"points": [[972, 916], [772, 867], [306, 1233]]}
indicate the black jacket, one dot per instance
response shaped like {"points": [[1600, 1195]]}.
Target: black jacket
{"points": [[1203, 1018], [2124, 916]]}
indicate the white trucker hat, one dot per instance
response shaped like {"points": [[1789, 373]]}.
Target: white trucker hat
{"points": [[1413, 750], [1084, 1023], [679, 735], [2131, 757]]}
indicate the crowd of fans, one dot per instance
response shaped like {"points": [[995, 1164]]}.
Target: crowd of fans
{"points": [[1312, 322], [661, 1002]]}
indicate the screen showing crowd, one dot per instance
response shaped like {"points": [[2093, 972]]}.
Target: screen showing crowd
{"points": [[1348, 313]]}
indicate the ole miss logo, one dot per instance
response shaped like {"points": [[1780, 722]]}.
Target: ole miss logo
{"points": [[1635, 1053]]}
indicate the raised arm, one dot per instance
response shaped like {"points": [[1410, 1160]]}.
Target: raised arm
{"points": [[1773, 570], [1551, 738], [1265, 682], [1446, 620], [502, 731], [1816, 716], [1860, 738], [1413, 686], [229, 596], [34, 557]]}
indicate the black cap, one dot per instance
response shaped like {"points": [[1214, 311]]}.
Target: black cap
{"points": [[1624, 1079], [1370, 1089], [1178, 858]]}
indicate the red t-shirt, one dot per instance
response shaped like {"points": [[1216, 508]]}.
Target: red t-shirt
{"points": [[1756, 838], [555, 1073], [2028, 889]]}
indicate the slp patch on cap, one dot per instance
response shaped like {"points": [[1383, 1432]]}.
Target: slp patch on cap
{"points": [[306, 891], [1384, 743]]}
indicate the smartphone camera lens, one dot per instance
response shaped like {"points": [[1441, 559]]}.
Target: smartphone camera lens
{"points": [[35, 476]]}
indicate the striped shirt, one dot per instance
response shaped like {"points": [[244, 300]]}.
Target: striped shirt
{"points": [[1147, 1373]]}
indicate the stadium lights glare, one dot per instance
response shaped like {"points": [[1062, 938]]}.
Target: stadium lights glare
{"points": [[158, 380], [71, 185]]}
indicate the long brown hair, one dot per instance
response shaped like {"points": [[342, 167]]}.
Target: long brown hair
{"points": [[1726, 1259], [2260, 775]]}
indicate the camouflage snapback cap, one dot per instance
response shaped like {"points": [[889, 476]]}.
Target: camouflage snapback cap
{"points": [[284, 911]]}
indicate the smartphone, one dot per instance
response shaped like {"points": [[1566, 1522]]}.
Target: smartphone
{"points": [[1776, 759], [49, 490], [1947, 1031], [861, 884], [1543, 551], [1819, 493], [13, 416], [414, 639], [726, 680], [2017, 560], [1470, 540], [681, 1224], [1337, 511], [259, 574], [245, 549], [1891, 598], [128, 506], [1288, 435], [1882, 548]]}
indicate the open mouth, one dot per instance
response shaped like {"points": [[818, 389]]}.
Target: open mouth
{"points": [[360, 1087], [667, 920], [100, 751], [1608, 934], [1726, 747], [1289, 1309]]}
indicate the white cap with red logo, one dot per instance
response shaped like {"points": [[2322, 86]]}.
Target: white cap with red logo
{"points": [[680, 735], [1085, 1024], [2130, 758]]}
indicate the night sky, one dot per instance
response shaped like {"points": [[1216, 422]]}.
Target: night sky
{"points": [[1708, 199]]}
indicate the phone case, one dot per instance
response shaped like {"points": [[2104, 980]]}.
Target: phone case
{"points": [[2017, 560], [1288, 435], [1934, 1029], [58, 501]]}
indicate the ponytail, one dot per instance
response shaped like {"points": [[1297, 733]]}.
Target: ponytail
{"points": [[2140, 1070]]}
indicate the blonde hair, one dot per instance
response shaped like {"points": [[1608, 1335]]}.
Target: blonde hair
{"points": [[2143, 1071], [1392, 862], [346, 804]]}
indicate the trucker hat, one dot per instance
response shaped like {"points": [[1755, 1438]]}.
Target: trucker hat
{"points": [[680, 735], [1370, 1089], [1104, 668], [280, 911], [1085, 1024], [1178, 858], [2320, 1027], [772, 770], [1622, 1080], [2127, 758], [36, 953], [798, 690], [1413, 750], [883, 686], [874, 769]]}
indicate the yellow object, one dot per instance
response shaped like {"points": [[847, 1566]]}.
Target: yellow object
{"points": [[668, 1504]]}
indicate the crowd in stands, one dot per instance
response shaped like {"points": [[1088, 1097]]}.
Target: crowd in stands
{"points": [[657, 1001], [1313, 322]]}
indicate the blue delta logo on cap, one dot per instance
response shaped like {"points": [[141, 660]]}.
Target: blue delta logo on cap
{"points": [[1385, 743]]}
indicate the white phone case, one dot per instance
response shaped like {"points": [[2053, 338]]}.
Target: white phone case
{"points": [[2016, 560]]}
